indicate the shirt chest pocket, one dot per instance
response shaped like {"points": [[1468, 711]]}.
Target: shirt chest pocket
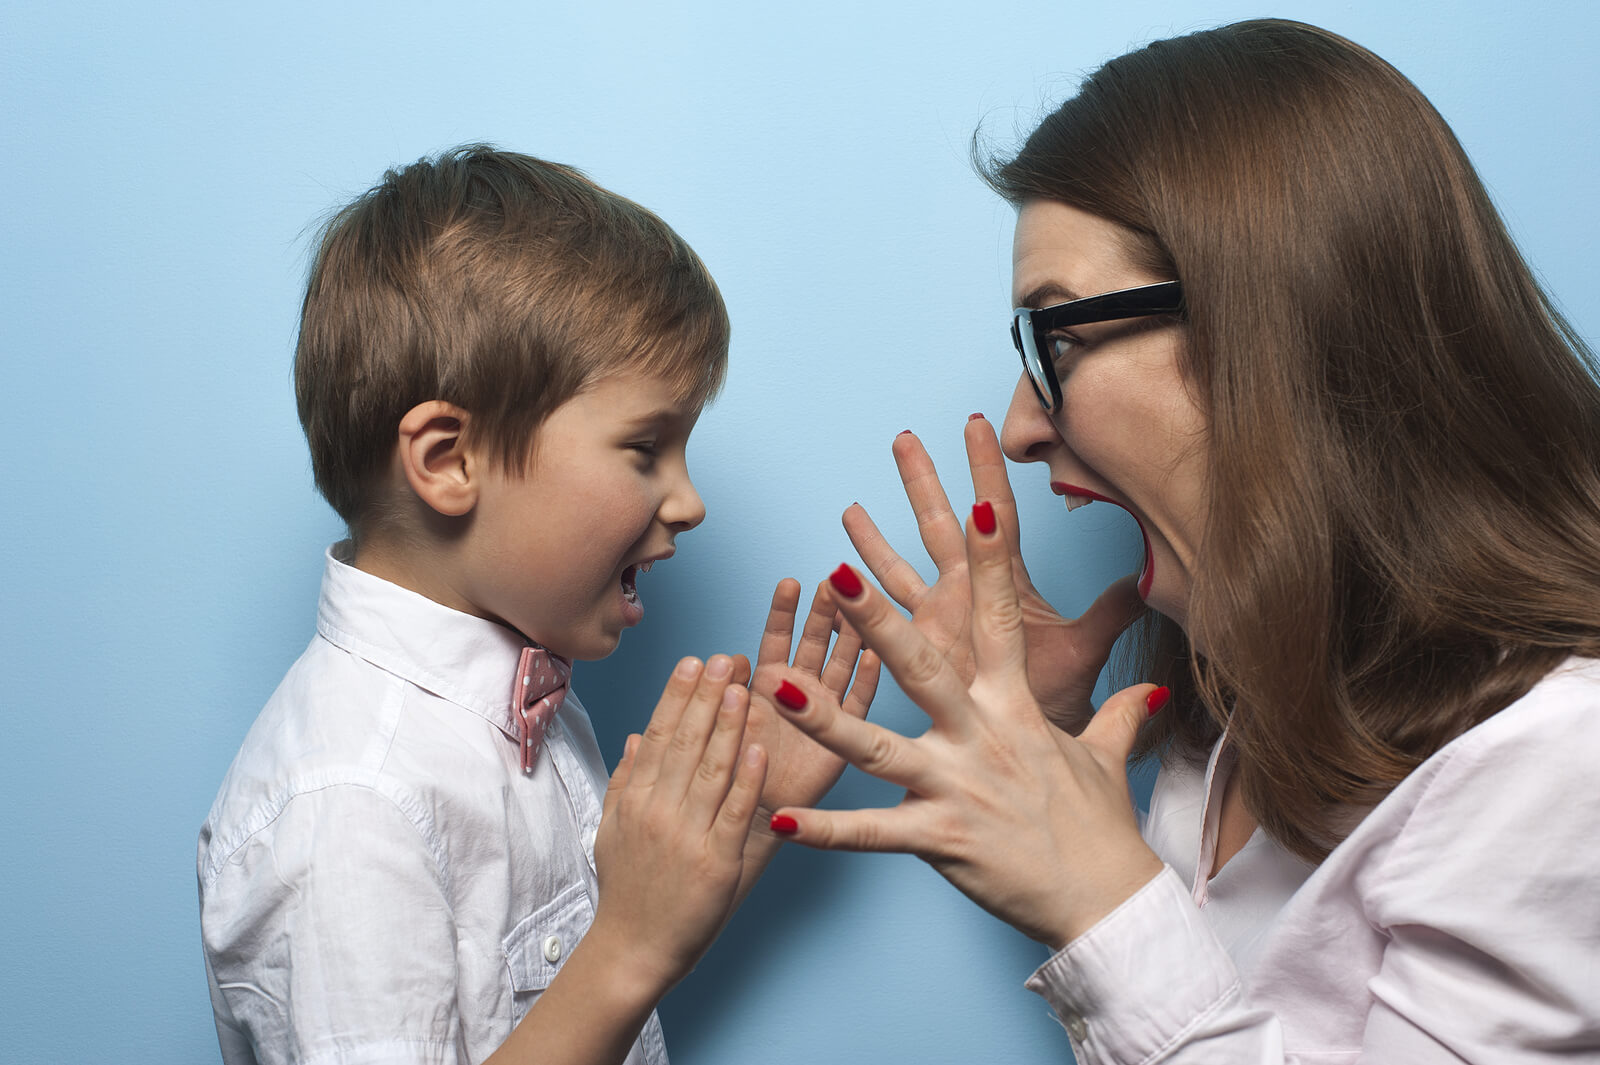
{"points": [[538, 947]]}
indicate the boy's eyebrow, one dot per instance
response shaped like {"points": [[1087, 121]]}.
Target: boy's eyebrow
{"points": [[657, 415]]}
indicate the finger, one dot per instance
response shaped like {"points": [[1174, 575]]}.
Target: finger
{"points": [[890, 830], [815, 635], [842, 662], [687, 746], [680, 687], [989, 478], [999, 644], [899, 578], [1115, 726], [868, 671], [937, 524], [709, 785], [619, 776], [778, 634], [738, 813], [884, 754], [921, 670]]}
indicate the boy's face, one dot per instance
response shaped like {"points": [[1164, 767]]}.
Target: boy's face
{"points": [[555, 552]]}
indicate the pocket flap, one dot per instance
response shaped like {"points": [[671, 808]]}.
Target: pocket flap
{"points": [[536, 949]]}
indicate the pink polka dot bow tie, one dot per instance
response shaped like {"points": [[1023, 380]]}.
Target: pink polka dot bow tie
{"points": [[537, 693]]}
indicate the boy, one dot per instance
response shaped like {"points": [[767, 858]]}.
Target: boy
{"points": [[498, 369]]}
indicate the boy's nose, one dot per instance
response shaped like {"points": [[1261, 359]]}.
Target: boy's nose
{"points": [[1028, 433], [683, 508]]}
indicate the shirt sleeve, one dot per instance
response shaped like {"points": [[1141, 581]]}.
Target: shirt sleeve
{"points": [[1491, 899], [1117, 992], [1485, 896], [330, 936]]}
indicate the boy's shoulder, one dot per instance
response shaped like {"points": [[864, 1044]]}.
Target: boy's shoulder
{"points": [[396, 700]]}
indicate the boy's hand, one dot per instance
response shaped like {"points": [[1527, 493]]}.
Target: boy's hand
{"points": [[800, 771], [676, 818], [1065, 655]]}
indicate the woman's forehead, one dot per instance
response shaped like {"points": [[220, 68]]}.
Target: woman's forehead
{"points": [[1060, 253]]}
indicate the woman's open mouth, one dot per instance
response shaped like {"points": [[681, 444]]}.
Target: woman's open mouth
{"points": [[1077, 497]]}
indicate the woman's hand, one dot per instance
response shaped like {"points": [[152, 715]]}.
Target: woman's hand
{"points": [[670, 850], [1035, 826], [1065, 656], [799, 770]]}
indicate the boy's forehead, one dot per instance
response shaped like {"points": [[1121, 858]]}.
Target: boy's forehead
{"points": [[643, 394]]}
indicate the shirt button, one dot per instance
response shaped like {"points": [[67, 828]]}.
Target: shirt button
{"points": [[552, 950]]}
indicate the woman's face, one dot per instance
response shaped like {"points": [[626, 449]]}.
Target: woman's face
{"points": [[1127, 431]]}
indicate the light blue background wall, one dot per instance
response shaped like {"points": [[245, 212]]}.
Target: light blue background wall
{"points": [[162, 540]]}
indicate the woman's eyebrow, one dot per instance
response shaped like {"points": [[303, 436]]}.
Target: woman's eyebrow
{"points": [[1046, 295]]}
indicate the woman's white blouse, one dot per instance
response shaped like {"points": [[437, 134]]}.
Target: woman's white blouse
{"points": [[1459, 922]]}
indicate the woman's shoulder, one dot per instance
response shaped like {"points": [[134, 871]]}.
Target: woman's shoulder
{"points": [[1548, 736], [1514, 792]]}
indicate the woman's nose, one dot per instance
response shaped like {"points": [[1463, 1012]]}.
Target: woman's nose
{"points": [[1028, 433]]}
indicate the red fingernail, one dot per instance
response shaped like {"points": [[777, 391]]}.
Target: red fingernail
{"points": [[902, 432], [845, 581], [1157, 699], [983, 517], [974, 417], [790, 697], [785, 825]]}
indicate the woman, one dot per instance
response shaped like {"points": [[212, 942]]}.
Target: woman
{"points": [[1364, 452]]}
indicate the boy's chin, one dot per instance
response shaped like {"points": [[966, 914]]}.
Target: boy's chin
{"points": [[590, 649]]}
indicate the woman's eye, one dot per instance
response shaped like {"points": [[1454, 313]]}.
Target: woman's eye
{"points": [[1062, 348]]}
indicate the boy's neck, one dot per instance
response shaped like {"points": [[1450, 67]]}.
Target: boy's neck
{"points": [[425, 570]]}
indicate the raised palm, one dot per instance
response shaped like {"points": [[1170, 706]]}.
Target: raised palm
{"points": [[800, 770], [1065, 655]]}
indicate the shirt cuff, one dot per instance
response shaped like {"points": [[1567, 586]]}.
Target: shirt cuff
{"points": [[1142, 979]]}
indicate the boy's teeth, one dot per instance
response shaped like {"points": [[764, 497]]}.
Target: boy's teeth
{"points": [[644, 567]]}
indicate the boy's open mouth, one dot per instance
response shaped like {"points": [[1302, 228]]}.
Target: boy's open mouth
{"points": [[1077, 497], [632, 605]]}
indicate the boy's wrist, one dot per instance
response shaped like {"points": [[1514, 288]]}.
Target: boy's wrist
{"points": [[637, 976]]}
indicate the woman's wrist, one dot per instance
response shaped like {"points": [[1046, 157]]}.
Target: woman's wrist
{"points": [[1115, 890]]}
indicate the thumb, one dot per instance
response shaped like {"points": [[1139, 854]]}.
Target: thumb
{"points": [[1116, 724], [1108, 617]]}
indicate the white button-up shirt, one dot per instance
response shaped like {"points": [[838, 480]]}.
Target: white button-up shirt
{"points": [[1459, 922], [379, 881]]}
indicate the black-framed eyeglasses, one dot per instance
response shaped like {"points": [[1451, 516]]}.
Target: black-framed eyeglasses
{"points": [[1031, 330]]}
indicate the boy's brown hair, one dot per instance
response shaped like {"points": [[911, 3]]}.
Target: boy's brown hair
{"points": [[498, 282]]}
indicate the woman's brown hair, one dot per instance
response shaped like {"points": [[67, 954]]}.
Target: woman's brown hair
{"points": [[1404, 447]]}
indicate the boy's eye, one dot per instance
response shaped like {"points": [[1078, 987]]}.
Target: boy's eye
{"points": [[644, 447]]}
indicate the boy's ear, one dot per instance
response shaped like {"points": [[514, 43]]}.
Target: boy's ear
{"points": [[440, 468]]}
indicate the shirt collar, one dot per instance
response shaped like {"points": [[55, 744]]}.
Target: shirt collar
{"points": [[467, 660]]}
